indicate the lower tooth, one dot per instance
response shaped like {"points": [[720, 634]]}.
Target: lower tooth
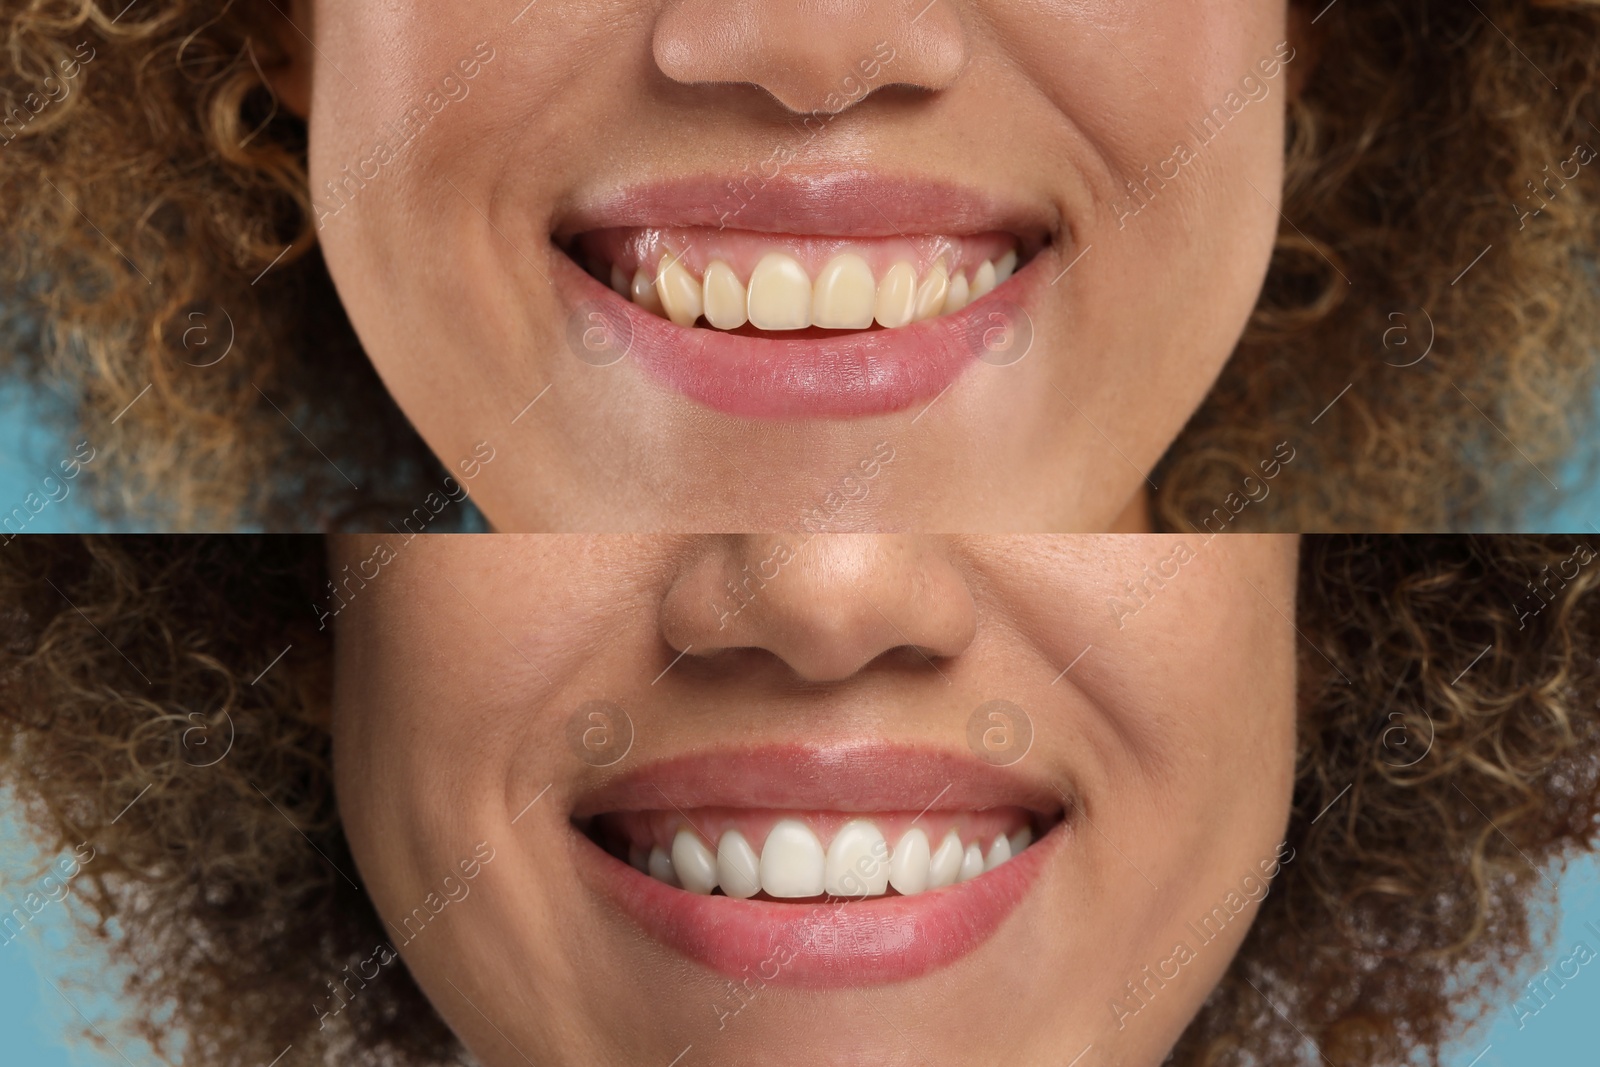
{"points": [[971, 863], [693, 863]]}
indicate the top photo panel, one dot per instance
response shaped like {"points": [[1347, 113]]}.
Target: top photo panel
{"points": [[684, 266]]}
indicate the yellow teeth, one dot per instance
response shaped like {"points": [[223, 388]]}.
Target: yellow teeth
{"points": [[781, 295]]}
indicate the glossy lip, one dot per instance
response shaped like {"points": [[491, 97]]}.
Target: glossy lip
{"points": [[830, 944], [872, 372]]}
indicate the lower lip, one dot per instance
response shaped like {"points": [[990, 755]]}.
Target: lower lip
{"points": [[819, 945], [873, 372]]}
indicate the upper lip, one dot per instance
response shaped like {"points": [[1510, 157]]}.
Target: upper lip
{"points": [[852, 203], [848, 775]]}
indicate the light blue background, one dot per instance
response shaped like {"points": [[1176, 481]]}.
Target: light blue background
{"points": [[35, 1020]]}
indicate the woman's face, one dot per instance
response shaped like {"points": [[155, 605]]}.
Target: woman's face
{"points": [[667, 800], [483, 172]]}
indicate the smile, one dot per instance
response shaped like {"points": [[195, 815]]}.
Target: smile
{"points": [[858, 890], [819, 305]]}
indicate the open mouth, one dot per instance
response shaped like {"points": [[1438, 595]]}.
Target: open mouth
{"points": [[789, 862], [814, 304]]}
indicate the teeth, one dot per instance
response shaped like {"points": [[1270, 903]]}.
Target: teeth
{"points": [[908, 867], [791, 860], [644, 292], [694, 864], [971, 863], [793, 863], [930, 294], [858, 861], [660, 866], [958, 297], [999, 852], [678, 291], [738, 866], [983, 281], [945, 865], [897, 296], [780, 294], [844, 294], [724, 297]]}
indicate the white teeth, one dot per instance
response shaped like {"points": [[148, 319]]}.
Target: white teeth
{"points": [[792, 859], [738, 866], [693, 863], [930, 294], [844, 294], [999, 852], [724, 297], [908, 865], [780, 294], [959, 296], [1005, 267], [944, 867], [644, 292], [858, 861], [678, 291], [660, 866], [897, 296], [983, 281], [793, 863], [971, 863]]}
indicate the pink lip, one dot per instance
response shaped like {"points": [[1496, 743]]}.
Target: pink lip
{"points": [[874, 372], [829, 944]]}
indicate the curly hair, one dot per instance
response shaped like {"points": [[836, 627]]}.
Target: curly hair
{"points": [[146, 196], [1449, 752]]}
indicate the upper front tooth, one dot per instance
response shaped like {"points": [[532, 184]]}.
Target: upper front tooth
{"points": [[971, 862], [791, 859], [780, 294], [930, 294], [897, 296], [858, 861], [678, 291], [844, 294], [959, 295], [984, 280], [644, 292], [999, 852], [945, 865], [693, 863], [908, 865], [724, 297], [660, 866], [738, 866], [1006, 266]]}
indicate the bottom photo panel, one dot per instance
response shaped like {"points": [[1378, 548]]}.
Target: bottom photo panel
{"points": [[799, 799]]}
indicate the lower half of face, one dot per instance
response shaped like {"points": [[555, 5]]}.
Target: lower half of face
{"points": [[846, 799], [974, 270]]}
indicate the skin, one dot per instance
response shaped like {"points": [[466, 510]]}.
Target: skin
{"points": [[1056, 106], [458, 666]]}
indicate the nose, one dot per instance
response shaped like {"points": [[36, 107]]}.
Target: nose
{"points": [[825, 608], [813, 56]]}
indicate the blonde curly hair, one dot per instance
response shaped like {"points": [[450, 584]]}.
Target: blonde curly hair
{"points": [[1460, 759], [146, 196]]}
